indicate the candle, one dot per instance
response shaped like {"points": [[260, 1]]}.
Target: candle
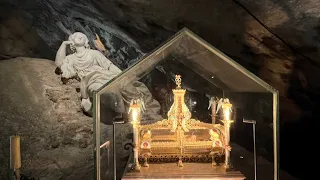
{"points": [[15, 157], [226, 114], [134, 115], [226, 107], [135, 121], [226, 110]]}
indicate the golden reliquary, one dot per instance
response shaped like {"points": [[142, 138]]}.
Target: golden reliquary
{"points": [[180, 138]]}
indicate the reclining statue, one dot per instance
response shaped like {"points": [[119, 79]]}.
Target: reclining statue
{"points": [[94, 70]]}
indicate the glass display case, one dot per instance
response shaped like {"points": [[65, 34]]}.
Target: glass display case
{"points": [[183, 110]]}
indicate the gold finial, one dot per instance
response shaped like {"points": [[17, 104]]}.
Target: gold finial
{"points": [[178, 81]]}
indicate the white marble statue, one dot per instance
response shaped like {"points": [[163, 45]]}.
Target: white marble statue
{"points": [[91, 66], [95, 70]]}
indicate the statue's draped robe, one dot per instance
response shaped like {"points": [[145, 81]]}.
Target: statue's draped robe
{"points": [[95, 70]]}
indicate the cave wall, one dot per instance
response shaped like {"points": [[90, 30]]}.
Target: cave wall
{"points": [[260, 35], [20, 39], [275, 46], [54, 21], [56, 137]]}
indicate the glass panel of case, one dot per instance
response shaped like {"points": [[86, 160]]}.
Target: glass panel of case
{"points": [[210, 80]]}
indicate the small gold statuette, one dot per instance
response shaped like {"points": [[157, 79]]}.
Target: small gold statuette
{"points": [[178, 81]]}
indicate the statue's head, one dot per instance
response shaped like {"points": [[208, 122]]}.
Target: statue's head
{"points": [[79, 39]]}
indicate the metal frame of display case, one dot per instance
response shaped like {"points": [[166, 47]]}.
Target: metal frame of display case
{"points": [[149, 61], [253, 122]]}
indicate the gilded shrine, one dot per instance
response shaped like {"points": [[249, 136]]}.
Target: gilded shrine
{"points": [[180, 138], [185, 103]]}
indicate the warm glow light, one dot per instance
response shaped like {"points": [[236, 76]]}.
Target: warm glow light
{"points": [[134, 115], [135, 121], [226, 113]]}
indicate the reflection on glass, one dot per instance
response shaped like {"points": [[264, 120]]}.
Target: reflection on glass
{"points": [[193, 117]]}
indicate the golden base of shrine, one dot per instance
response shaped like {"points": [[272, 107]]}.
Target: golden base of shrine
{"points": [[194, 171]]}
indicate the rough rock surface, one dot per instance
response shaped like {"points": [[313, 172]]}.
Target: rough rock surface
{"points": [[22, 41], [128, 27], [54, 21], [56, 138], [224, 24]]}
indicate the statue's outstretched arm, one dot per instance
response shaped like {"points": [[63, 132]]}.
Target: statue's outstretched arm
{"points": [[61, 54]]}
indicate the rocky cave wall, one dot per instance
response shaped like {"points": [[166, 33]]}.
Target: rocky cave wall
{"points": [[55, 136], [277, 40]]}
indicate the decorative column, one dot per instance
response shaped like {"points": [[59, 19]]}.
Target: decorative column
{"points": [[226, 107], [135, 121]]}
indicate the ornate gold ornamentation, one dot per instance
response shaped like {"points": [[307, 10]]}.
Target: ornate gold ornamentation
{"points": [[180, 138]]}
